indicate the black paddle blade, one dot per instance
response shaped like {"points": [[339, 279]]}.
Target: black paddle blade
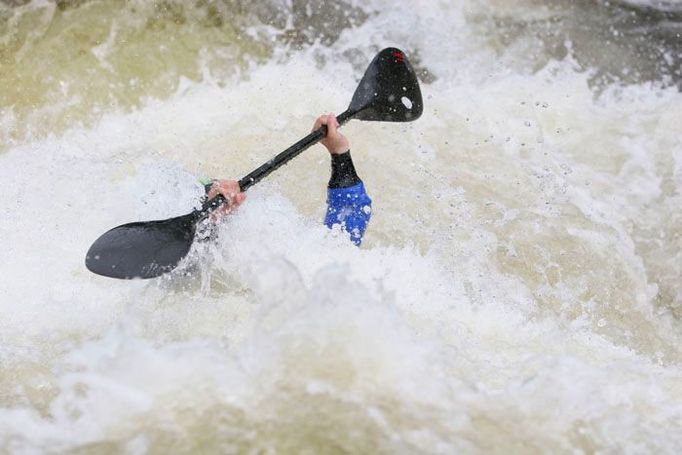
{"points": [[389, 90], [142, 250]]}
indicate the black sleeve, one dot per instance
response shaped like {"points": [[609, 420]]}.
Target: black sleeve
{"points": [[343, 171]]}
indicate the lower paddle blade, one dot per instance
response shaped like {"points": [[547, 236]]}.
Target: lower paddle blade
{"points": [[142, 250], [389, 90]]}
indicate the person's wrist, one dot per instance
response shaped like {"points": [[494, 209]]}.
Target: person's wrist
{"points": [[339, 148]]}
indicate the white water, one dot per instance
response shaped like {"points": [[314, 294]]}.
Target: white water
{"points": [[518, 290]]}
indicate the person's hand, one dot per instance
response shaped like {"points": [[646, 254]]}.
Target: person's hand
{"points": [[230, 191], [335, 142]]}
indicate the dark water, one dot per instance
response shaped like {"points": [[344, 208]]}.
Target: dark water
{"points": [[617, 41]]}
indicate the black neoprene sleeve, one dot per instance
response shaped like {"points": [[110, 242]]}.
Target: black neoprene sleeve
{"points": [[343, 171]]}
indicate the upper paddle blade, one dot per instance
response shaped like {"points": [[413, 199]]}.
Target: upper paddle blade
{"points": [[389, 90], [142, 250]]}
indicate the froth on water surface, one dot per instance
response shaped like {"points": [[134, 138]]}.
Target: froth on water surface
{"points": [[518, 289]]}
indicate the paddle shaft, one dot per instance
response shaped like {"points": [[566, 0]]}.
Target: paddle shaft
{"points": [[287, 155], [272, 164]]}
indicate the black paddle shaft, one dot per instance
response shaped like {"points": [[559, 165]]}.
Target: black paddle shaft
{"points": [[279, 160], [271, 165]]}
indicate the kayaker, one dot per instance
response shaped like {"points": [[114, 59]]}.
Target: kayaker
{"points": [[348, 204]]}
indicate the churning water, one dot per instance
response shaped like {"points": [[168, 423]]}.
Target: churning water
{"points": [[519, 289]]}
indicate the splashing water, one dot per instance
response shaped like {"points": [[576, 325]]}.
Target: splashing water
{"points": [[518, 289]]}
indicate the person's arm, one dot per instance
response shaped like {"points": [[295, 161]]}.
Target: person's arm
{"points": [[348, 204], [347, 201]]}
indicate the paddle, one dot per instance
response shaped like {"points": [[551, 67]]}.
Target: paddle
{"points": [[388, 92]]}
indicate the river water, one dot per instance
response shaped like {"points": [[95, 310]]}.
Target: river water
{"points": [[519, 287]]}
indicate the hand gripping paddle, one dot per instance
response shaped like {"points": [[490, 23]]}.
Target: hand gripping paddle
{"points": [[388, 92]]}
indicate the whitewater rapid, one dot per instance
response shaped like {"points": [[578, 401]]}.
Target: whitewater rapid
{"points": [[518, 289]]}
